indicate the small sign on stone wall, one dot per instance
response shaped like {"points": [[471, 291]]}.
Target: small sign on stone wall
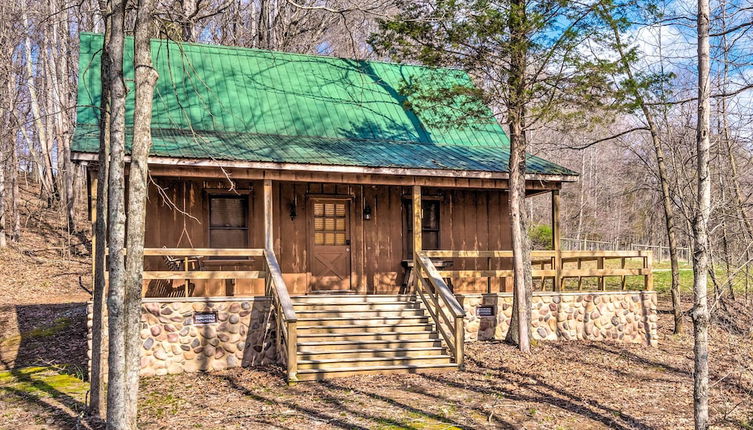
{"points": [[203, 318], [485, 311]]}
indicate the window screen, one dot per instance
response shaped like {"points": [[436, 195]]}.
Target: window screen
{"points": [[228, 221], [429, 223]]}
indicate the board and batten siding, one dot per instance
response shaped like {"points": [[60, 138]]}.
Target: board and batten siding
{"points": [[470, 219]]}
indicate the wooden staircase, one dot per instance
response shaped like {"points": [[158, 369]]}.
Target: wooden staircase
{"points": [[343, 335]]}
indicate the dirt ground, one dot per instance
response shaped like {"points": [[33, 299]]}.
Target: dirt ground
{"points": [[562, 385]]}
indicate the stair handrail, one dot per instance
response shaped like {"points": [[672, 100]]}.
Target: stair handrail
{"points": [[285, 318], [454, 339]]}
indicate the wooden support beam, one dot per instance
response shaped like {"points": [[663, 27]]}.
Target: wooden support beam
{"points": [[649, 274], [417, 229], [204, 274], [556, 246], [600, 267], [203, 252], [93, 181], [269, 240]]}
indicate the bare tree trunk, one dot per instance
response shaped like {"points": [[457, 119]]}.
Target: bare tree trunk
{"points": [[3, 195], [98, 399], [117, 393], [522, 291], [700, 228], [189, 20], [669, 222], [45, 162], [15, 216], [146, 78], [15, 234]]}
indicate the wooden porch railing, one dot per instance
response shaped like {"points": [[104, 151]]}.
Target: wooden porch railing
{"points": [[558, 265], [442, 305], [286, 320], [189, 259], [286, 339]]}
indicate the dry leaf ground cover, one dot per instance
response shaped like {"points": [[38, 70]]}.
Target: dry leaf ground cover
{"points": [[564, 385]]}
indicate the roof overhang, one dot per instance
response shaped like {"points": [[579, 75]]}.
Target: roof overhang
{"points": [[188, 163]]}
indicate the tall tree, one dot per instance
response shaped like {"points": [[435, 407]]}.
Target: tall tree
{"points": [[635, 89], [117, 317], [98, 396], [528, 63], [700, 227], [146, 79]]}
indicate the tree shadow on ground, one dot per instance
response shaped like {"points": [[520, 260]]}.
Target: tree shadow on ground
{"points": [[541, 392], [42, 357], [43, 335]]}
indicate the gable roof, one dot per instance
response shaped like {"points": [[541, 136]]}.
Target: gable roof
{"points": [[237, 104]]}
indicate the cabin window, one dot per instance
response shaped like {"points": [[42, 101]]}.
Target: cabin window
{"points": [[429, 224], [228, 221]]}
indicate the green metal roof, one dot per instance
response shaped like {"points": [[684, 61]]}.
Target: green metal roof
{"points": [[226, 103]]}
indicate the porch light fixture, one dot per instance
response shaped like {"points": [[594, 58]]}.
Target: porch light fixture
{"points": [[367, 213], [293, 208]]}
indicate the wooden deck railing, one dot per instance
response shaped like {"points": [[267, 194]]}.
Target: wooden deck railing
{"points": [[286, 320], [189, 260], [559, 265], [442, 305]]}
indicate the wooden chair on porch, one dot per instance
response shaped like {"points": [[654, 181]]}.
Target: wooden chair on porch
{"points": [[171, 288]]}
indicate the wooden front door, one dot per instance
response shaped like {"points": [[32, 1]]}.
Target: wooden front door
{"points": [[330, 244]]}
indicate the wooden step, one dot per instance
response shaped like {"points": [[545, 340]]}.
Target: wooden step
{"points": [[380, 328], [356, 306], [329, 321], [336, 363], [304, 347], [397, 335], [348, 313], [362, 298], [320, 374], [370, 353]]}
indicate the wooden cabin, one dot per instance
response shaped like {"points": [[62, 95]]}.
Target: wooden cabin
{"points": [[277, 174]]}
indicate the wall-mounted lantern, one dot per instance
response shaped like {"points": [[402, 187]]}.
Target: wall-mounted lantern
{"points": [[367, 213], [293, 208]]}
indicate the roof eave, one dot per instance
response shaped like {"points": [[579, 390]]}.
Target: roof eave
{"points": [[334, 168]]}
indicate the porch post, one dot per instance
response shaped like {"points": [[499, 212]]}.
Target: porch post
{"points": [[556, 239], [93, 181], [269, 240], [417, 230]]}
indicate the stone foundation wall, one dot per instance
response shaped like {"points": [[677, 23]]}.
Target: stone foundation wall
{"points": [[173, 342], [243, 334], [624, 316]]}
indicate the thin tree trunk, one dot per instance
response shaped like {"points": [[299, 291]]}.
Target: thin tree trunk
{"points": [[15, 235], [117, 398], [45, 162], [3, 197], [701, 257], [146, 78], [669, 223], [98, 398], [522, 291]]}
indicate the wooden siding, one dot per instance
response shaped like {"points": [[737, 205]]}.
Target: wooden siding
{"points": [[470, 219]]}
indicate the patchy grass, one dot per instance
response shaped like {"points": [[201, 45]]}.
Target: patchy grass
{"points": [[43, 381], [57, 326]]}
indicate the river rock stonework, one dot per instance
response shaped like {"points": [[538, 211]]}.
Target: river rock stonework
{"points": [[243, 334], [628, 316], [173, 342]]}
